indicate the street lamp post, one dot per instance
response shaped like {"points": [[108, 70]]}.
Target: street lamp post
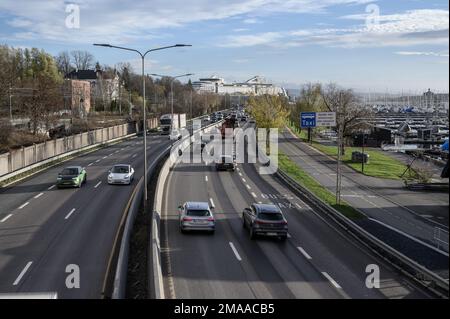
{"points": [[142, 55], [171, 90]]}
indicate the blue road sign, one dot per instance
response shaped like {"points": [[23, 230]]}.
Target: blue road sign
{"points": [[308, 119]]}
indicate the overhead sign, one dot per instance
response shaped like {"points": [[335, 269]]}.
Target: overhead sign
{"points": [[308, 119], [326, 119]]}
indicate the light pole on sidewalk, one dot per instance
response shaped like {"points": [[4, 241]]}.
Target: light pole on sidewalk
{"points": [[142, 55]]}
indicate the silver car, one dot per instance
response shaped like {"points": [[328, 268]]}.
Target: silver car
{"points": [[121, 174], [196, 216]]}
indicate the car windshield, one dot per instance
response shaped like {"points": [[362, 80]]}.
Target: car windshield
{"points": [[120, 169], [270, 216], [198, 212], [70, 171]]}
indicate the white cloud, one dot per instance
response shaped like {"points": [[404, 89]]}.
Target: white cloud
{"points": [[429, 53], [124, 21], [416, 27]]}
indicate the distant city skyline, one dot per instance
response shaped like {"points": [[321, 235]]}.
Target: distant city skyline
{"points": [[377, 46]]}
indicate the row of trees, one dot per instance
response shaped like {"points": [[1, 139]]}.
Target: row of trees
{"points": [[273, 111]]}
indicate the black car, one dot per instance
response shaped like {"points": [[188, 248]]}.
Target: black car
{"points": [[265, 219], [226, 162]]}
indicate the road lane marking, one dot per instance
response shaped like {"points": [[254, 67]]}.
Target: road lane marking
{"points": [[105, 157], [246, 185], [235, 251], [69, 214], [254, 195], [16, 282], [51, 187], [23, 205], [90, 164], [240, 174], [111, 154], [206, 178], [96, 185], [331, 280], [304, 253], [134, 155], [212, 203], [244, 180], [38, 195], [97, 161], [6, 218], [289, 235]]}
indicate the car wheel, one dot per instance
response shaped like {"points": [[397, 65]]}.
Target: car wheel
{"points": [[252, 233], [244, 225]]}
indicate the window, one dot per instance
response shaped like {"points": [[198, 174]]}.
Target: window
{"points": [[270, 216], [198, 212], [120, 169], [70, 171]]}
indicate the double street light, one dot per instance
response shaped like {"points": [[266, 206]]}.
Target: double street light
{"points": [[173, 78], [142, 55]]}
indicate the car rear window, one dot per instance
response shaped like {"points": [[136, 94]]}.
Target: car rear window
{"points": [[70, 171], [120, 169], [270, 216], [198, 212]]}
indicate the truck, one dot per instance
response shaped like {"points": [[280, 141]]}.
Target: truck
{"points": [[165, 122]]}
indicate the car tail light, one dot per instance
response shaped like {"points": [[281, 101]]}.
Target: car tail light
{"points": [[210, 219], [187, 219]]}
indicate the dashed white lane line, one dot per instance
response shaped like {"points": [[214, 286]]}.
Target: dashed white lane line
{"points": [[6, 218], [333, 282], [22, 273], [69, 214], [254, 195], [289, 235], [111, 154], [23, 205], [96, 185], [97, 161], [304, 253], [248, 186], [240, 174], [38, 195], [117, 151], [235, 251], [134, 155], [206, 178], [90, 164], [51, 187], [105, 157], [244, 180], [212, 202]]}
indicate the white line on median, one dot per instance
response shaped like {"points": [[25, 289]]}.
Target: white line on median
{"points": [[96, 185], [23, 205], [331, 280], [69, 214], [38, 195], [16, 282], [212, 203], [235, 251], [5, 219], [304, 253], [51, 187]]}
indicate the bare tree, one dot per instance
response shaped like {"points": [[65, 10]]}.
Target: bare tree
{"points": [[82, 60], [348, 110], [64, 63]]}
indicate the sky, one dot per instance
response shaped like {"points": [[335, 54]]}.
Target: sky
{"points": [[371, 46]]}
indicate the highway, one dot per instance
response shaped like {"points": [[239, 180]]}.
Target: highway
{"points": [[43, 229], [316, 261]]}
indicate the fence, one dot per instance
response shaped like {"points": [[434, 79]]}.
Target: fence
{"points": [[25, 156]]}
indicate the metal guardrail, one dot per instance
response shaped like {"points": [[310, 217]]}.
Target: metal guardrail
{"points": [[125, 229], [419, 273]]}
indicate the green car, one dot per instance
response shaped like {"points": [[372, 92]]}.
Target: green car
{"points": [[73, 176]]}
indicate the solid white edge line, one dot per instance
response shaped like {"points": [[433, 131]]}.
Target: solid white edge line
{"points": [[38, 195], [22, 273], [304, 253], [96, 185], [235, 251], [6, 218], [212, 202], [69, 214], [23, 205], [333, 282]]}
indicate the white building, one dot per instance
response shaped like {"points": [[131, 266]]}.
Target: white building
{"points": [[254, 86]]}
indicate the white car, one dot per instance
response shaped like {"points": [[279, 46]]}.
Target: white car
{"points": [[121, 174], [207, 118], [174, 135], [196, 216]]}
